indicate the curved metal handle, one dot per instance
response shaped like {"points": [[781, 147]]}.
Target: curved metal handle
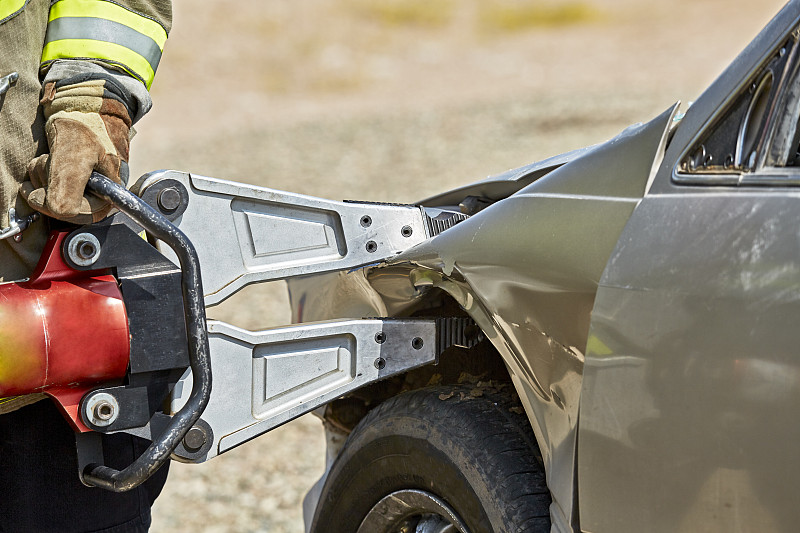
{"points": [[200, 361]]}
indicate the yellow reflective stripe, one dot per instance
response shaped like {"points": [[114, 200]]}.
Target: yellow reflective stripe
{"points": [[126, 58], [109, 11], [9, 8], [101, 29], [104, 30]]}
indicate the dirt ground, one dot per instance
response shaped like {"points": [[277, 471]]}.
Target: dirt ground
{"points": [[395, 101]]}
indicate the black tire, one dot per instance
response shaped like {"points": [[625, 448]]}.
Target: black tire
{"points": [[470, 448]]}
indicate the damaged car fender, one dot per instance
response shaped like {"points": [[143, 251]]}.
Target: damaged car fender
{"points": [[527, 270]]}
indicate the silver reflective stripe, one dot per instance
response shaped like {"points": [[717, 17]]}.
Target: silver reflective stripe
{"points": [[97, 29]]}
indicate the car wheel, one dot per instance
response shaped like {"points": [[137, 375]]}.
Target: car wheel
{"points": [[442, 459]]}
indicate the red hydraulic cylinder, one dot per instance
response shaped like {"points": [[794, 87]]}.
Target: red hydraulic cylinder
{"points": [[61, 330]]}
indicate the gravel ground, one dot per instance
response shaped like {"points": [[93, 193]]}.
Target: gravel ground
{"points": [[335, 99]]}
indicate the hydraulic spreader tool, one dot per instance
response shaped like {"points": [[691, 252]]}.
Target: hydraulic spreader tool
{"points": [[112, 323]]}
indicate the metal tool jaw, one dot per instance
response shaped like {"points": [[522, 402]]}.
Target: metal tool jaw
{"points": [[240, 235], [265, 379], [245, 234]]}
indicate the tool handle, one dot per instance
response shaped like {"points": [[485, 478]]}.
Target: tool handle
{"points": [[162, 446]]}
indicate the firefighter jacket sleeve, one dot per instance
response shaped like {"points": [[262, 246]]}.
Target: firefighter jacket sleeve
{"points": [[128, 35], [99, 60]]}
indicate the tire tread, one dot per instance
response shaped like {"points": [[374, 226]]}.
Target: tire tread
{"points": [[487, 433]]}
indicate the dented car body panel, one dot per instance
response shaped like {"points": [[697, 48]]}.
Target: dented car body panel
{"points": [[642, 294], [535, 286]]}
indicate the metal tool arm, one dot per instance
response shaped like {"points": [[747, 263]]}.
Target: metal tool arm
{"points": [[246, 234], [265, 379]]}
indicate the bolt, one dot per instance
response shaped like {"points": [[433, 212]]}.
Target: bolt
{"points": [[782, 52], [406, 231], [195, 439], [380, 337], [372, 246], [366, 221], [380, 363], [169, 199], [100, 409], [103, 410], [417, 343], [17, 237], [84, 249]]}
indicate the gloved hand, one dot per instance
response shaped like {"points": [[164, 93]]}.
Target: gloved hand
{"points": [[87, 127]]}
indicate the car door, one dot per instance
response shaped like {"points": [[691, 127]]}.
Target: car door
{"points": [[692, 375]]}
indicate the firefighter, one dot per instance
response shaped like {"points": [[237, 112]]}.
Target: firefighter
{"points": [[84, 72]]}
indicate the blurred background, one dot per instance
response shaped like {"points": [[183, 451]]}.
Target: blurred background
{"points": [[395, 100]]}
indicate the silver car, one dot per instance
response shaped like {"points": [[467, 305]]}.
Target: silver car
{"points": [[626, 359]]}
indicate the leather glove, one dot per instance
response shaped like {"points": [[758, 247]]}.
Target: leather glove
{"points": [[87, 127]]}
